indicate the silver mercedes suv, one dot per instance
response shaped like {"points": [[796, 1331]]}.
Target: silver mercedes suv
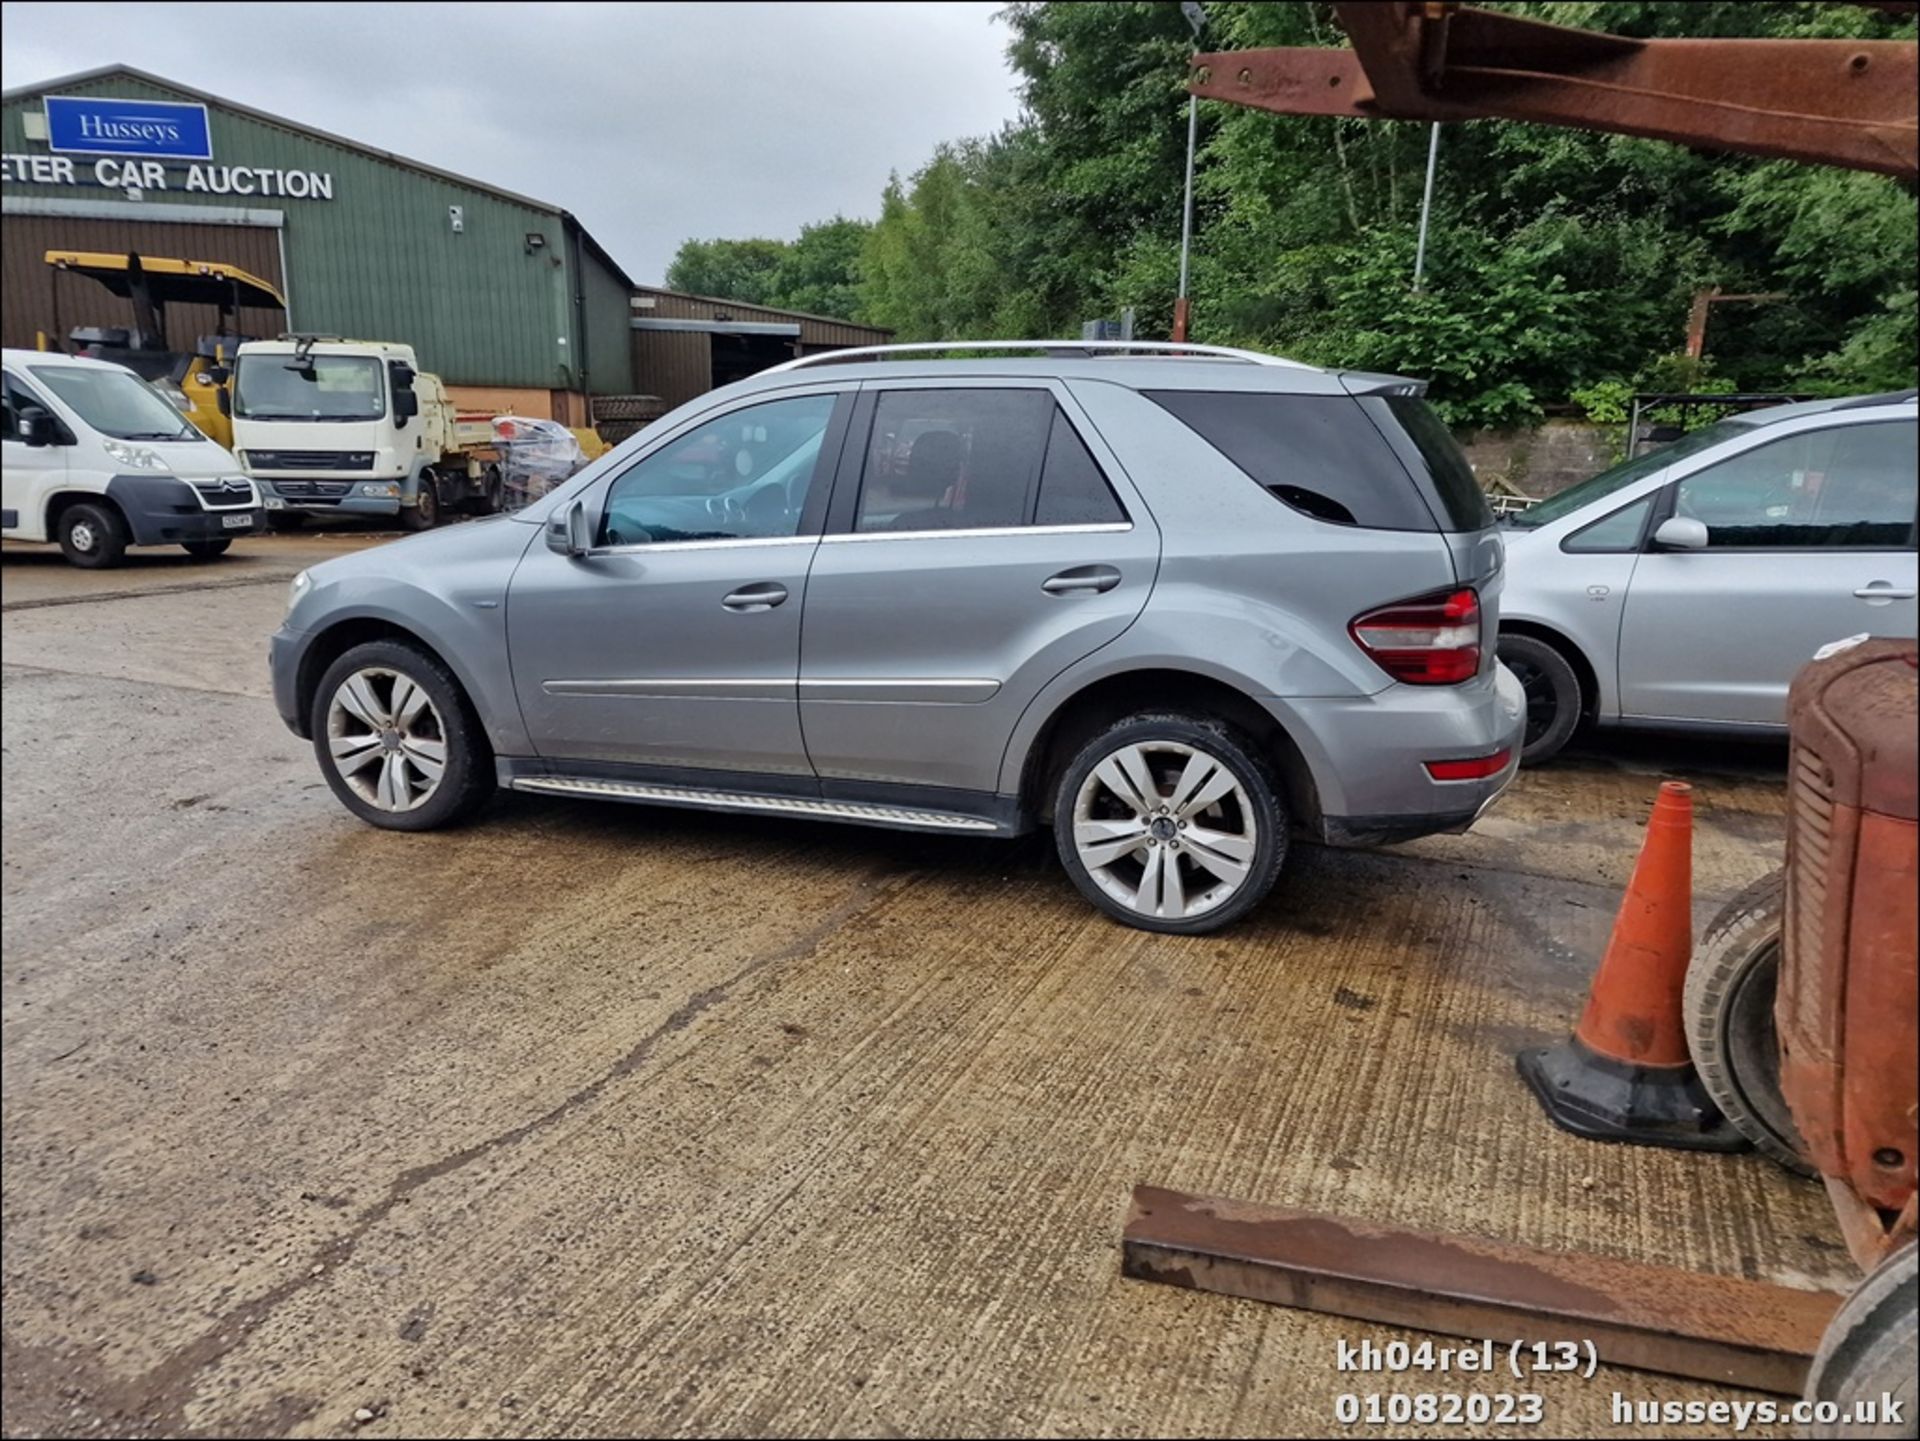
{"points": [[1173, 601]]}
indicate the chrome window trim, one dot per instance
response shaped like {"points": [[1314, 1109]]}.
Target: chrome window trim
{"points": [[980, 532], [731, 543]]}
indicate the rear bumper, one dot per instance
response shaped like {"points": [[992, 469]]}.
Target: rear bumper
{"points": [[163, 510], [1368, 756]]}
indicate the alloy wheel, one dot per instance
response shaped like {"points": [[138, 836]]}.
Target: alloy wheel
{"points": [[1542, 704], [386, 738], [1165, 829]]}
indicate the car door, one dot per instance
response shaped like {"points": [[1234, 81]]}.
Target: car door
{"points": [[28, 473], [982, 540], [675, 641], [1810, 537]]}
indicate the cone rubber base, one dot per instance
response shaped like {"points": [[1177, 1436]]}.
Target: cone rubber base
{"points": [[1607, 1100]]}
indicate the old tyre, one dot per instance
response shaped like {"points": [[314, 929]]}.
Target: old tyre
{"points": [[1870, 1350], [207, 549], [92, 536], [424, 513], [1171, 823], [1554, 701], [397, 740], [1731, 982]]}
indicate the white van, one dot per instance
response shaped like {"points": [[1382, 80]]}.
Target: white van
{"points": [[97, 460]]}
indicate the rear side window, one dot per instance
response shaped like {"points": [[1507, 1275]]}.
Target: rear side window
{"points": [[1319, 454], [1408, 420]]}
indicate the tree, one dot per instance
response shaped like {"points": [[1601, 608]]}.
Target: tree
{"points": [[740, 270]]}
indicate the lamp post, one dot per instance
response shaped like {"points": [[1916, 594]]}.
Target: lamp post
{"points": [[1426, 205], [1197, 20]]}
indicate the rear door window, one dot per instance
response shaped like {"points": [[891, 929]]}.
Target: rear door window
{"points": [[1319, 454], [954, 459], [1072, 489]]}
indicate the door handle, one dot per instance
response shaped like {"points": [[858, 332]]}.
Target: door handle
{"points": [[1883, 590], [1082, 580], [763, 595]]}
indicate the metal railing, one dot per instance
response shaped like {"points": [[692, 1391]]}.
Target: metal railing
{"points": [[1070, 347]]}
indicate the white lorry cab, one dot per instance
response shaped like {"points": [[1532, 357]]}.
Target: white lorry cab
{"points": [[96, 459], [335, 427]]}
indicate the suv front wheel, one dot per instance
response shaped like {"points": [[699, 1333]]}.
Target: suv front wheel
{"points": [[397, 741], [1171, 823]]}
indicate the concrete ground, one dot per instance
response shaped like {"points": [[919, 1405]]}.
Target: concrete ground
{"points": [[593, 1119]]}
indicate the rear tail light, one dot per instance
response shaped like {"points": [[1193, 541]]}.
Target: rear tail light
{"points": [[1429, 640]]}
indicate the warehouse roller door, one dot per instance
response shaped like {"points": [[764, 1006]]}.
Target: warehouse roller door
{"points": [[27, 301]]}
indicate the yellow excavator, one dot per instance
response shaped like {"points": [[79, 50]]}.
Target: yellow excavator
{"points": [[196, 380]]}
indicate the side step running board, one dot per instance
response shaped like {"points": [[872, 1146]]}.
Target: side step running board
{"points": [[860, 812]]}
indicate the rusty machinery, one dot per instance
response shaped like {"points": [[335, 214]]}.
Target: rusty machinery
{"points": [[1822, 1070], [1835, 102]]}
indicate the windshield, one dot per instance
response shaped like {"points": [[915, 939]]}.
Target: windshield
{"points": [[115, 402], [1625, 474], [332, 387]]}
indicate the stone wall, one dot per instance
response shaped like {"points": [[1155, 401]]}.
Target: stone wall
{"points": [[1543, 460]]}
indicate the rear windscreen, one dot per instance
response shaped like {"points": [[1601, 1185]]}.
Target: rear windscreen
{"points": [[1317, 453], [1428, 446]]}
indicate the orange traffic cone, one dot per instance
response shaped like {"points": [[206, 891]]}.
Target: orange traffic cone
{"points": [[1626, 1074]]}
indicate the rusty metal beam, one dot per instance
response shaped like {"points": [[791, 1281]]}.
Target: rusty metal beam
{"points": [[1840, 102], [1679, 1323]]}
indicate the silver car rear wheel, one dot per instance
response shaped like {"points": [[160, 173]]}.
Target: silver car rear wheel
{"points": [[386, 739], [1165, 829]]}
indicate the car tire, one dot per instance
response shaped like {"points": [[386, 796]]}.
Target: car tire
{"points": [[1168, 880], [1871, 1347], [1554, 697], [92, 536], [1728, 1006], [424, 513], [390, 787], [207, 549]]}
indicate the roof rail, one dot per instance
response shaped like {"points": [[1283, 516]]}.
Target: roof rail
{"points": [[1149, 347]]}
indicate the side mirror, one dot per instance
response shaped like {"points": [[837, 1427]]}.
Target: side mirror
{"points": [[568, 533], [402, 374], [223, 400], [1681, 532], [406, 405], [35, 426]]}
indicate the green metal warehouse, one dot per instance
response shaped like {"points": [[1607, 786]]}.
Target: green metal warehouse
{"points": [[508, 299]]}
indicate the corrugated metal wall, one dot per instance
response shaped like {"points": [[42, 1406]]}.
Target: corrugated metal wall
{"points": [[27, 300], [381, 260], [609, 356], [677, 365]]}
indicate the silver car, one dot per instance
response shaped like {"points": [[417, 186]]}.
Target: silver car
{"points": [[1174, 605], [1684, 588]]}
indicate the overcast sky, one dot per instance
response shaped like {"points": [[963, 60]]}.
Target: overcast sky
{"points": [[651, 122]]}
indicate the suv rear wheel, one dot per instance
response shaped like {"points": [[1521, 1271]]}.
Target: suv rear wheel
{"points": [[1171, 823], [397, 740]]}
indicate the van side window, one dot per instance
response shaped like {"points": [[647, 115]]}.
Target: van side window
{"points": [[1842, 488], [17, 399]]}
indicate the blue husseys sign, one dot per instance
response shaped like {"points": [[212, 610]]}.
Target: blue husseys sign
{"points": [[89, 125]]}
